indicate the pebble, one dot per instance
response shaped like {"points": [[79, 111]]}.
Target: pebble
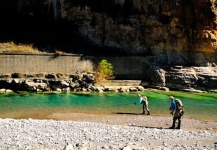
{"points": [[71, 135]]}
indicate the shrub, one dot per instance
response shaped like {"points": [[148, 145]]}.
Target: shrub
{"points": [[104, 71]]}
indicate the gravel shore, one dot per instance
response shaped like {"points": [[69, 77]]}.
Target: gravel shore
{"points": [[110, 132]]}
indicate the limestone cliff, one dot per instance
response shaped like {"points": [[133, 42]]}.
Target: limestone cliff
{"points": [[177, 32]]}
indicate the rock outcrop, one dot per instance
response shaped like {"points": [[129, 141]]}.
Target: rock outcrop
{"points": [[195, 79], [180, 78], [176, 32], [82, 82]]}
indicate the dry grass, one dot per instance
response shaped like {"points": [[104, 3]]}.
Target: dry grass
{"points": [[11, 47], [59, 52]]}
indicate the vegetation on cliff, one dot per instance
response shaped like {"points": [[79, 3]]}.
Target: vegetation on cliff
{"points": [[11, 47], [104, 71]]}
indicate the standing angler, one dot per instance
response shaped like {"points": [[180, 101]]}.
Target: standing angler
{"points": [[177, 111], [144, 102]]}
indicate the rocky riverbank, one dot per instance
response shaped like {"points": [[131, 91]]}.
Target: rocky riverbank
{"points": [[111, 132], [59, 82], [178, 78]]}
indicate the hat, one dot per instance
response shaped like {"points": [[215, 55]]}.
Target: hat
{"points": [[171, 97]]}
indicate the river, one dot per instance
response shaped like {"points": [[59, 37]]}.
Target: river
{"points": [[202, 106]]}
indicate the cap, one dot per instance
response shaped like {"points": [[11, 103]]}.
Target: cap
{"points": [[171, 97], [139, 95]]}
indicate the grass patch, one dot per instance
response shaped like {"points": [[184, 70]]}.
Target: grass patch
{"points": [[11, 47]]}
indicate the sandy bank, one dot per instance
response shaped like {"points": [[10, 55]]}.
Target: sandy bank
{"points": [[137, 119]]}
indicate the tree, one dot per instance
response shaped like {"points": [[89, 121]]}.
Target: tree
{"points": [[104, 71]]}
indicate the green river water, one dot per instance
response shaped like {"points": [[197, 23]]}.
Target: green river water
{"points": [[201, 106]]}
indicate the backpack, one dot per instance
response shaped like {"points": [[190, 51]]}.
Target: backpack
{"points": [[144, 98], [179, 106]]}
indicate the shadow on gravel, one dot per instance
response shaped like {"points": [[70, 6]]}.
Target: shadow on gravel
{"points": [[149, 127], [124, 113]]}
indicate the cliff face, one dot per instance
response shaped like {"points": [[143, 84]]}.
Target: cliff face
{"points": [[175, 31], [172, 32]]}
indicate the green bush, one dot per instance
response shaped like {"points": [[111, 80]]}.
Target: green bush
{"points": [[104, 71]]}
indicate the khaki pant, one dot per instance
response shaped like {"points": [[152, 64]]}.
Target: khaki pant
{"points": [[145, 106], [177, 116]]}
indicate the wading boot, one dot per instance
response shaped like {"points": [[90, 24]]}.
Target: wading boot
{"points": [[173, 125], [179, 125]]}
